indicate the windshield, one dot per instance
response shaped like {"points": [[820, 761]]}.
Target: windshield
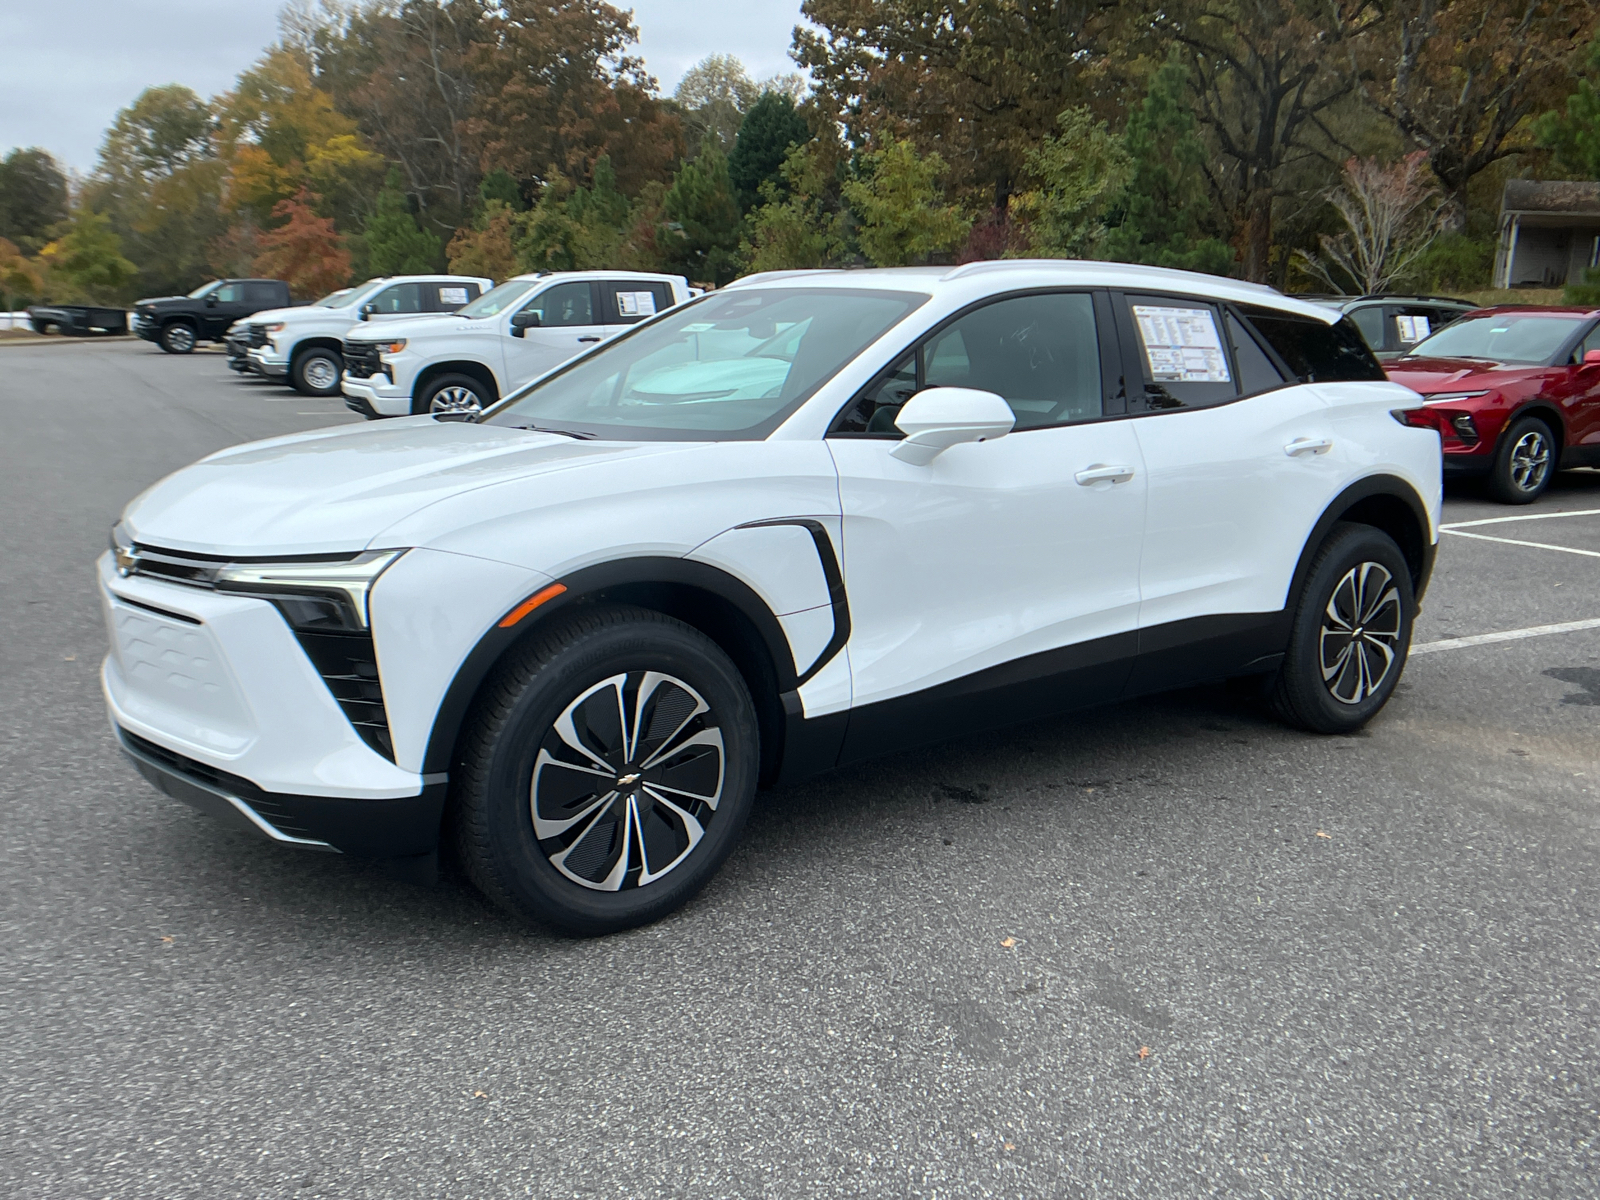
{"points": [[730, 365], [497, 300], [1502, 337], [204, 288], [333, 299]]}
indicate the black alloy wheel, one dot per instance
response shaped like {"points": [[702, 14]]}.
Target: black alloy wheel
{"points": [[452, 395], [316, 372], [1351, 633], [1524, 462], [179, 338], [605, 773]]}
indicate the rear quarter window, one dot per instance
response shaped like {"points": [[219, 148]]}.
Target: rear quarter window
{"points": [[1316, 352]]}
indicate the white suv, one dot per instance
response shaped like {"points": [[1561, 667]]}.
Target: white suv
{"points": [[303, 344], [525, 327], [810, 518]]}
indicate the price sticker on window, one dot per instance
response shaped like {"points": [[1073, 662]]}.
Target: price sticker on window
{"points": [[1413, 329], [453, 295], [1182, 345], [636, 304]]}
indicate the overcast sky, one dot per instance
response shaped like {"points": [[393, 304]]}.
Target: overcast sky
{"points": [[67, 66]]}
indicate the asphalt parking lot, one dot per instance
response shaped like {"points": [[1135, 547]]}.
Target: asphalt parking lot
{"points": [[1164, 949]]}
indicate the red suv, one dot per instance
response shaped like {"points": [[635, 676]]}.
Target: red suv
{"points": [[1514, 392]]}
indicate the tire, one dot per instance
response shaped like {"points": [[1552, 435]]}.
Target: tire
{"points": [[316, 372], [452, 394], [536, 819], [179, 338], [1524, 462], [1329, 682]]}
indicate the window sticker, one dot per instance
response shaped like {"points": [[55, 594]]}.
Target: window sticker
{"points": [[1182, 345], [1413, 329], [636, 304], [452, 295]]}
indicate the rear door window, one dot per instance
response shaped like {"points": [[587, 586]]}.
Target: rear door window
{"points": [[1370, 321], [1410, 323], [1179, 347], [1314, 351], [261, 295], [628, 301], [447, 297]]}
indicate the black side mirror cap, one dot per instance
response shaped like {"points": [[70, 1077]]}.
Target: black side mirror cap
{"points": [[211, 299], [524, 320]]}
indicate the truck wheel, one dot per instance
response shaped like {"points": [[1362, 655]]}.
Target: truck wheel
{"points": [[1523, 462], [178, 338], [459, 394], [316, 372], [606, 772]]}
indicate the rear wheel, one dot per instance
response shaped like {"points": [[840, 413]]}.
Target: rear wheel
{"points": [[606, 773], [1351, 633], [1524, 461], [178, 338], [316, 372], [455, 394]]}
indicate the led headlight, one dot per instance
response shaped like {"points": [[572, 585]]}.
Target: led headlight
{"points": [[314, 596], [393, 347]]}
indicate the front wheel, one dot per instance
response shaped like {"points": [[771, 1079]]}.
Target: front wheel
{"points": [[1351, 633], [1523, 462], [316, 372], [606, 772], [178, 338], [455, 395]]}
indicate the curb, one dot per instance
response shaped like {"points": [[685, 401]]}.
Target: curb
{"points": [[59, 340]]}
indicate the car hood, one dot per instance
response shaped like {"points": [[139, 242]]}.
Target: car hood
{"points": [[385, 331], [297, 313], [334, 491], [152, 301], [1428, 375]]}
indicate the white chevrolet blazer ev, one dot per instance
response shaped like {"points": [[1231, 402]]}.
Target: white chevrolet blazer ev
{"points": [[302, 345], [506, 338], [813, 517]]}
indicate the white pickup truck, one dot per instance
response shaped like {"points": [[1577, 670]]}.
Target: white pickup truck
{"points": [[523, 328], [304, 344]]}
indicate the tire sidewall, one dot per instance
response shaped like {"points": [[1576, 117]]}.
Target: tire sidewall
{"points": [[166, 337], [537, 888], [1500, 482], [1313, 704], [298, 376], [423, 405]]}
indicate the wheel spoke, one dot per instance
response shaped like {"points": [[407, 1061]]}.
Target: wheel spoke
{"points": [[692, 829]]}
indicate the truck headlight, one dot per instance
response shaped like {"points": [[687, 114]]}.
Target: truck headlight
{"points": [[275, 327], [393, 347], [313, 596]]}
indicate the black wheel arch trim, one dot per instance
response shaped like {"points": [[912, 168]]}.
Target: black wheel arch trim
{"points": [[586, 585], [1419, 557], [838, 599]]}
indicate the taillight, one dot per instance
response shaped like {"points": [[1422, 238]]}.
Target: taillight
{"points": [[1418, 418]]}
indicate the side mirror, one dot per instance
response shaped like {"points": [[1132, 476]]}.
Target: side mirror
{"points": [[525, 320], [938, 418], [211, 299], [1591, 358], [367, 310]]}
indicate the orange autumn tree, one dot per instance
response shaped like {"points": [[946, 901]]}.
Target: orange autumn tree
{"points": [[305, 251]]}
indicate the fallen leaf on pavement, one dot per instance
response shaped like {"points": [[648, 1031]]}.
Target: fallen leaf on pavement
{"points": [[166, 937], [1144, 1053], [1329, 836], [480, 1095], [1008, 942], [1009, 1146]]}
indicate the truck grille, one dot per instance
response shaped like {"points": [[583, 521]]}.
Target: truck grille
{"points": [[362, 361], [255, 335]]}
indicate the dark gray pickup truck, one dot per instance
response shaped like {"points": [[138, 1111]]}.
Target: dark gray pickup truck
{"points": [[77, 319], [179, 323]]}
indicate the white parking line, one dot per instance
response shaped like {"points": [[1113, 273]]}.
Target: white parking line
{"points": [[1582, 512], [1484, 537], [1505, 635]]}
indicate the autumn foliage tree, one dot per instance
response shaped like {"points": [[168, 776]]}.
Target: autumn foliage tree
{"points": [[304, 250]]}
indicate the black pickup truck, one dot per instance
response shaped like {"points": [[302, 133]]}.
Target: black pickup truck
{"points": [[179, 323], [77, 320]]}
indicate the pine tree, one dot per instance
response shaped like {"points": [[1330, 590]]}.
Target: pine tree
{"points": [[395, 246], [770, 129], [700, 234]]}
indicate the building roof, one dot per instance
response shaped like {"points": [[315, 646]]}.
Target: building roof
{"points": [[1550, 196]]}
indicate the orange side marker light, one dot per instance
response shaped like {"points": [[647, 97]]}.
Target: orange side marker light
{"points": [[532, 602]]}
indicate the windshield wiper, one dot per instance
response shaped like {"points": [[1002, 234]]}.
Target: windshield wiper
{"points": [[571, 433]]}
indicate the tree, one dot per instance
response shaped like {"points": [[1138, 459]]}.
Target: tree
{"points": [[575, 228], [20, 280], [1264, 74], [1391, 216], [1460, 78], [1164, 215], [394, 244], [1079, 170], [981, 80], [305, 250], [700, 227], [716, 93], [901, 208], [769, 130], [33, 197], [86, 262], [800, 225], [1574, 133], [498, 185], [485, 247]]}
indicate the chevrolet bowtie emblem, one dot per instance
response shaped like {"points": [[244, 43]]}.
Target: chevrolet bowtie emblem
{"points": [[629, 780]]}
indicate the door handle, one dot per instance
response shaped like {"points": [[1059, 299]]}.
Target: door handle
{"points": [[589, 339], [1308, 446], [1103, 474]]}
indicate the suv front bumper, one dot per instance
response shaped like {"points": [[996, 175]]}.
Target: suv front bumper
{"points": [[375, 396]]}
